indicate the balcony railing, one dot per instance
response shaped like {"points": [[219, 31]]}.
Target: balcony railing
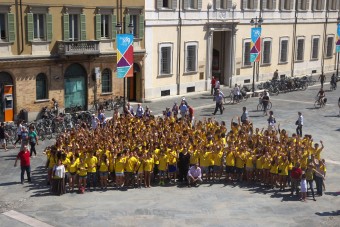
{"points": [[90, 47]]}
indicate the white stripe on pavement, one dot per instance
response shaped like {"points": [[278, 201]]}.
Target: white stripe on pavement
{"points": [[26, 219]]}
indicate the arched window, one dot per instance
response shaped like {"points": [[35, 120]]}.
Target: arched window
{"points": [[41, 87], [106, 81]]}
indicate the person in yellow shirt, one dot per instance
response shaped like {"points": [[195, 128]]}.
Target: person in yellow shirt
{"points": [[239, 164], [250, 157], [119, 169], [50, 163], [266, 168], [283, 172], [103, 171], [274, 172], [140, 169], [130, 168], [259, 167], [92, 162], [230, 164], [148, 167], [172, 167], [72, 169], [82, 174], [163, 166], [217, 156]]}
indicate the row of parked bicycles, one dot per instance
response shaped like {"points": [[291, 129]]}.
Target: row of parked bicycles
{"points": [[50, 123]]}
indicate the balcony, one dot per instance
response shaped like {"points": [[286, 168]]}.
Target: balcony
{"points": [[69, 48]]}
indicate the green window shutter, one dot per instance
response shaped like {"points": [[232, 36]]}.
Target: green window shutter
{"points": [[141, 27], [82, 27], [159, 4], [199, 4], [174, 4], [274, 4], [49, 27], [30, 27], [98, 27], [114, 29], [66, 20], [126, 23], [11, 27], [186, 4]]}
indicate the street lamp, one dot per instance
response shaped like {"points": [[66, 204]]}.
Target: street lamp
{"points": [[257, 22]]}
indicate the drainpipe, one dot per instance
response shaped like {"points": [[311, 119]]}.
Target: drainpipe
{"points": [[18, 13], [294, 40], [179, 42], [324, 39]]}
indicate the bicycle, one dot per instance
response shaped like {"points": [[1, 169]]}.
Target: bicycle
{"points": [[261, 108], [320, 103]]}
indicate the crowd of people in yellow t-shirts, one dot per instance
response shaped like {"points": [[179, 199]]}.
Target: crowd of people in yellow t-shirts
{"points": [[133, 152]]}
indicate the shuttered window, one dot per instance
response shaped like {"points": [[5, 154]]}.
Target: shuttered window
{"points": [[303, 4], [106, 81], [269, 4], [73, 28], [333, 4], [104, 26], [329, 47], [165, 59], [246, 53], [167, 4], [318, 5], [39, 26], [315, 48], [283, 50], [137, 21], [300, 48], [3, 30], [192, 4], [266, 51], [191, 57], [41, 86]]}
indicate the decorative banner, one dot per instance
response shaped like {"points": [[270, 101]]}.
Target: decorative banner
{"points": [[124, 55], [338, 40], [255, 48]]}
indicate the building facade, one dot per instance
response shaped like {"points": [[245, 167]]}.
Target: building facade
{"points": [[66, 50], [189, 41]]}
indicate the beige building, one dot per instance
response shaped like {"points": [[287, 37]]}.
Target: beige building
{"points": [[190, 41], [66, 50]]}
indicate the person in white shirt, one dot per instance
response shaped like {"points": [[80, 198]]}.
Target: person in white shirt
{"points": [[139, 110], [94, 121], [58, 178], [236, 92], [194, 175]]}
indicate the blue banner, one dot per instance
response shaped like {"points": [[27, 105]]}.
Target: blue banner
{"points": [[124, 55]]}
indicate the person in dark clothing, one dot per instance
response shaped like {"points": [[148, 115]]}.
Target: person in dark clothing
{"points": [[183, 165], [3, 136]]}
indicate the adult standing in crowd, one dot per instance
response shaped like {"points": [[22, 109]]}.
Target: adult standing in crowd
{"points": [[213, 82], [24, 137], [183, 165], [25, 163], [33, 140], [3, 136], [219, 101], [19, 129], [299, 124], [58, 178]]}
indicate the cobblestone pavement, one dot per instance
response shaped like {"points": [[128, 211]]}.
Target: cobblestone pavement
{"points": [[207, 205]]}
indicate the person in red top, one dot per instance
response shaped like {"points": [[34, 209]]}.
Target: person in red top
{"points": [[213, 82], [24, 156], [295, 178], [191, 114]]}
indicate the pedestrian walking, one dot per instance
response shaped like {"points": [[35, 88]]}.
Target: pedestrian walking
{"points": [[322, 79], [19, 129], [25, 164], [33, 140], [218, 99], [271, 121], [3, 136], [299, 124], [183, 108], [265, 101], [217, 84], [245, 116], [213, 82]]}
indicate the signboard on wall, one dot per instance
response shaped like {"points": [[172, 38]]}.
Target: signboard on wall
{"points": [[124, 55]]}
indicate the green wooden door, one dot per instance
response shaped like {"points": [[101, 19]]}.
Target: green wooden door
{"points": [[75, 86]]}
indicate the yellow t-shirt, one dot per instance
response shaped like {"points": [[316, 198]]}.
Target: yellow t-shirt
{"points": [[259, 163], [82, 168], [230, 159], [52, 161], [66, 163], [194, 158], [72, 167], [218, 158], [163, 161], [92, 164], [119, 165], [267, 163], [204, 161], [239, 161], [172, 157], [274, 169], [283, 167], [148, 164], [249, 162], [131, 164], [103, 167]]}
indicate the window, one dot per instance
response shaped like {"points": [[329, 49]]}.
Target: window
{"points": [[329, 46], [192, 4], [191, 57], [224, 4], [266, 51], [246, 53], [39, 26], [315, 47], [333, 5], [74, 27], [300, 48], [106, 23], [41, 87], [7, 27], [106, 81], [3, 30], [303, 5], [165, 58], [135, 18], [287, 4], [105, 31], [269, 4], [283, 50], [318, 4], [249, 4]]}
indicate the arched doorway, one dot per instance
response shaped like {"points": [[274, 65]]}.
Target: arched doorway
{"points": [[5, 79], [75, 86], [133, 83]]}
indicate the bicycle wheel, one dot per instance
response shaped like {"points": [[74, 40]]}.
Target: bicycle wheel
{"points": [[269, 107], [259, 107], [317, 104]]}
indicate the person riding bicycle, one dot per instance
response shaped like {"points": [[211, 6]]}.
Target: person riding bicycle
{"points": [[236, 92], [321, 95], [265, 101], [333, 81]]}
